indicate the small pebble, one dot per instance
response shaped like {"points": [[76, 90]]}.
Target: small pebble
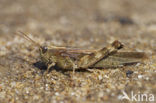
{"points": [[72, 93], [129, 73], [147, 78], [140, 76], [100, 77], [56, 93]]}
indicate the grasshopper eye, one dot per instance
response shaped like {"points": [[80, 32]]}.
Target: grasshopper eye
{"points": [[44, 49]]}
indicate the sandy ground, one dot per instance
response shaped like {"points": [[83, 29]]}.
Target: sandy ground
{"points": [[88, 24]]}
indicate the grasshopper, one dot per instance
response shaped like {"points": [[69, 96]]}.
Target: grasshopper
{"points": [[73, 59]]}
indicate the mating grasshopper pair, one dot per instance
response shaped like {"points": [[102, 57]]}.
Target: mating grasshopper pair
{"points": [[73, 59]]}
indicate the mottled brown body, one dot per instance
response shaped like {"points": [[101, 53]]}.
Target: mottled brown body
{"points": [[69, 58]]}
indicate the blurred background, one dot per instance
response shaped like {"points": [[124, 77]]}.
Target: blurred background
{"points": [[97, 21]]}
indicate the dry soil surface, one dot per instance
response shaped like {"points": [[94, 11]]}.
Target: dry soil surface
{"points": [[88, 24]]}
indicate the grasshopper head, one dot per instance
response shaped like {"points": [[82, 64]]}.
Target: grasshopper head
{"points": [[44, 54], [43, 49]]}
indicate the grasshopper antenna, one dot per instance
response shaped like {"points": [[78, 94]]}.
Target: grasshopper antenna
{"points": [[20, 33]]}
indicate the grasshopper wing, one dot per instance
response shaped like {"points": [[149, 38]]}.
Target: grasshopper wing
{"points": [[112, 61], [75, 53], [120, 59]]}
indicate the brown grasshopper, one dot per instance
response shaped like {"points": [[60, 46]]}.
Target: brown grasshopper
{"points": [[73, 59]]}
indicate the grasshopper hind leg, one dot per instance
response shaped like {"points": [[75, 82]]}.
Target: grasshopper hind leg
{"points": [[91, 59]]}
